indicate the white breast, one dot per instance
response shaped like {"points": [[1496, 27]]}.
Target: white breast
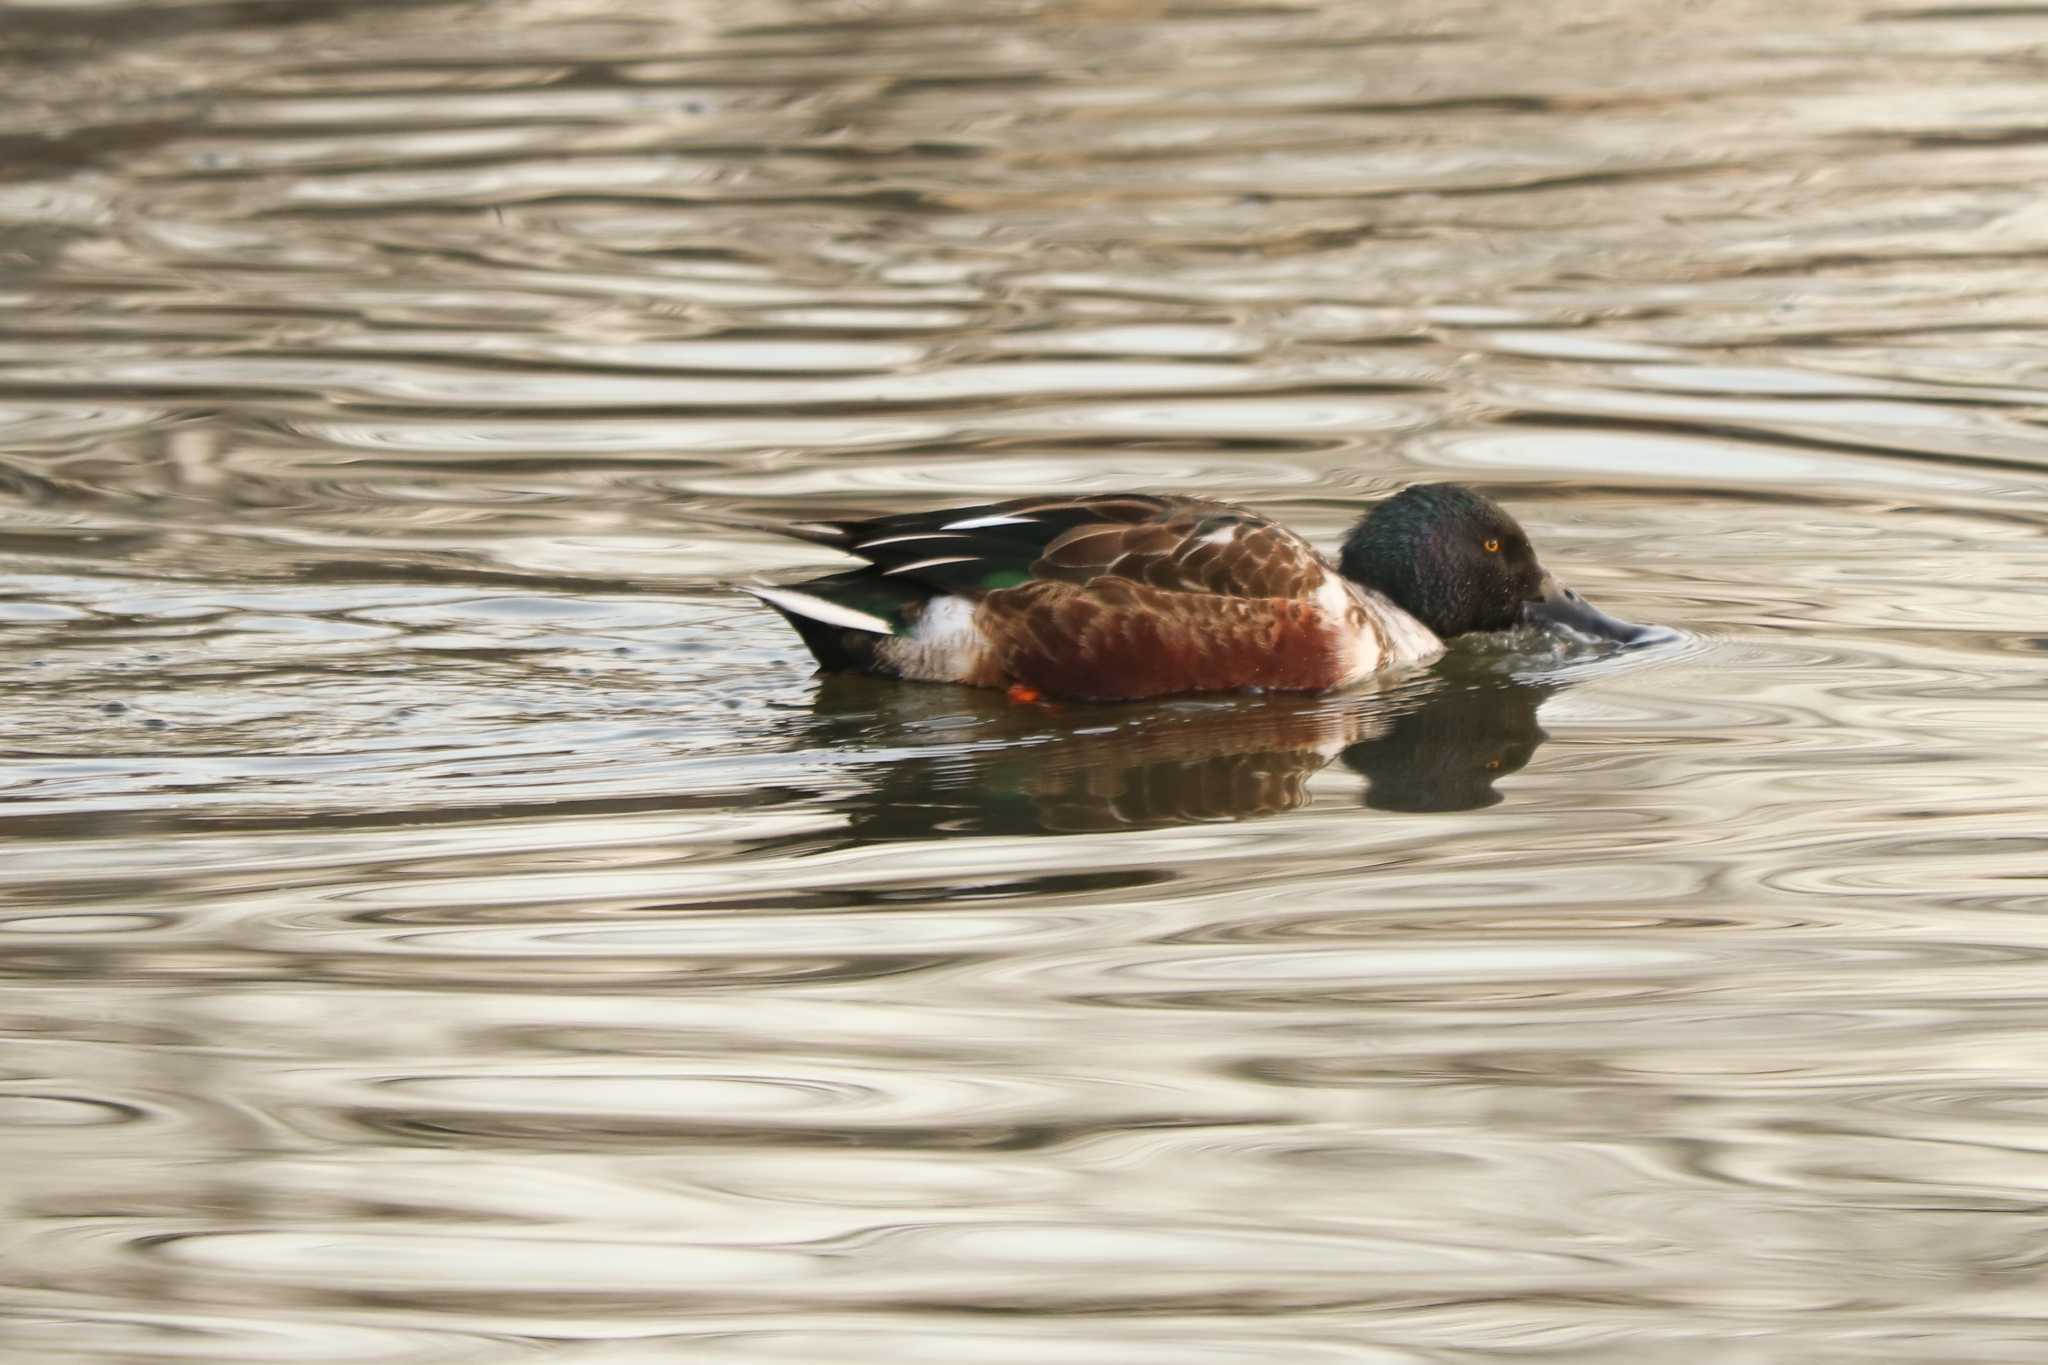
{"points": [[1372, 633], [944, 646]]}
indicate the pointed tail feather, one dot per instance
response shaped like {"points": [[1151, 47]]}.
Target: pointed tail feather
{"points": [[796, 604], [834, 533], [847, 619]]}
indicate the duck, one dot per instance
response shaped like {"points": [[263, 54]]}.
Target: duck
{"points": [[1128, 596]]}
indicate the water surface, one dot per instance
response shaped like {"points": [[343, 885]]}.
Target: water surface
{"points": [[445, 922]]}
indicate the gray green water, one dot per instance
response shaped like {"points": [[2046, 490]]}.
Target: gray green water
{"points": [[445, 924]]}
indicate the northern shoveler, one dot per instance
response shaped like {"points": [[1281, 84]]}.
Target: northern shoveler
{"points": [[1119, 596]]}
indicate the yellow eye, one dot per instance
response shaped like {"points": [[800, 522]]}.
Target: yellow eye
{"points": [[1493, 547]]}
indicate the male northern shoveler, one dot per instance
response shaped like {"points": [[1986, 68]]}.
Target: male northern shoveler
{"points": [[1119, 596]]}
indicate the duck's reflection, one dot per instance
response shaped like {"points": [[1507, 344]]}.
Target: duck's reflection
{"points": [[943, 760]]}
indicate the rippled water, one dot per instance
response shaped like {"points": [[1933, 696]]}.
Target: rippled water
{"points": [[446, 923]]}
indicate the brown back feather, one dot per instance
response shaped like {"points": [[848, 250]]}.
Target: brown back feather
{"points": [[1174, 553]]}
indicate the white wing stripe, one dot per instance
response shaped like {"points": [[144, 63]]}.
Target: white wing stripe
{"points": [[898, 540], [976, 523], [931, 563]]}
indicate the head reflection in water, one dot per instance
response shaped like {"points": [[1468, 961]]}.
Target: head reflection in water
{"points": [[965, 762], [1447, 753]]}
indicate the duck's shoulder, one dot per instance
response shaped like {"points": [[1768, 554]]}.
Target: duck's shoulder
{"points": [[1173, 544], [1190, 545]]}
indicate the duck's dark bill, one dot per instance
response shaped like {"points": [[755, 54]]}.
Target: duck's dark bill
{"points": [[1560, 606]]}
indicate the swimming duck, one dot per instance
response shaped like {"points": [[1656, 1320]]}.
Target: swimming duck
{"points": [[1118, 596]]}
